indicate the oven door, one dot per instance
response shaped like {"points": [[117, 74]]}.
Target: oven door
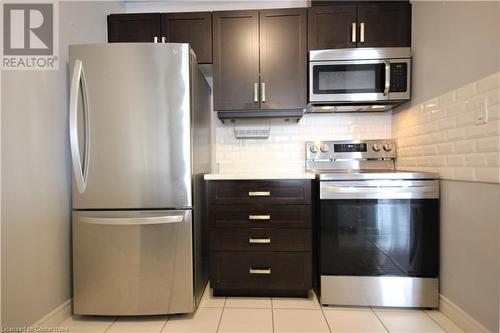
{"points": [[361, 81], [373, 228]]}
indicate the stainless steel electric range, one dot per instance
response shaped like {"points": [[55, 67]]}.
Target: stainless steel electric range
{"points": [[378, 230]]}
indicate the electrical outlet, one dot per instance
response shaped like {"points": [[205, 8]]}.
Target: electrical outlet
{"points": [[482, 113]]}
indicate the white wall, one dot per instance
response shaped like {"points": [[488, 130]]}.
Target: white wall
{"points": [[470, 226], [456, 57], [36, 196]]}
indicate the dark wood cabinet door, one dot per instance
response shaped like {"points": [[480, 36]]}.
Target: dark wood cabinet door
{"points": [[283, 58], [331, 27], [236, 60], [192, 28], [384, 24], [133, 27]]}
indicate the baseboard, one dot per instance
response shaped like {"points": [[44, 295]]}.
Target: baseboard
{"points": [[461, 318], [56, 316]]}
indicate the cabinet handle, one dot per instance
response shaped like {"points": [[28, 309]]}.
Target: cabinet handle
{"points": [[259, 217], [259, 193], [163, 39], [259, 270], [255, 92], [259, 240], [155, 39], [263, 92], [362, 32], [353, 32]]}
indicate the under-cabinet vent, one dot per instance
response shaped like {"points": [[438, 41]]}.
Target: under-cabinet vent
{"points": [[252, 133]]}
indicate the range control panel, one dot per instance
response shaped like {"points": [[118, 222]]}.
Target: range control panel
{"points": [[369, 149], [350, 147]]}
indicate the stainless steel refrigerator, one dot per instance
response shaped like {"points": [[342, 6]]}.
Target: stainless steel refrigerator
{"points": [[139, 121]]}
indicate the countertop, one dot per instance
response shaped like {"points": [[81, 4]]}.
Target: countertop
{"points": [[260, 175]]}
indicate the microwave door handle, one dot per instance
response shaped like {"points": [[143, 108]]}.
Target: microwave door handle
{"points": [[387, 77]]}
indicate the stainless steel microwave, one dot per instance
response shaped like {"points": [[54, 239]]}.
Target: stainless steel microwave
{"points": [[362, 79]]}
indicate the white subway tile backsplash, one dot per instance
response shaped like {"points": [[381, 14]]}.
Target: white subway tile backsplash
{"points": [[467, 146], [445, 135], [446, 148], [446, 123], [455, 160], [493, 96], [488, 83], [456, 108], [476, 159], [284, 151], [466, 91], [438, 161], [447, 98], [493, 112], [438, 114], [446, 172], [491, 175], [455, 134], [466, 173], [491, 144], [465, 118]]}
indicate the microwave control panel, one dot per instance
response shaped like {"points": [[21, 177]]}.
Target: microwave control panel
{"points": [[399, 77]]}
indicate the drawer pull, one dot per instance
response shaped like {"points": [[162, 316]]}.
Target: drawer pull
{"points": [[260, 270], [259, 217], [259, 193], [259, 240]]}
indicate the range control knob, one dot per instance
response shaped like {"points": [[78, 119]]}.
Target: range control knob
{"points": [[314, 149], [324, 148], [387, 147], [376, 147]]}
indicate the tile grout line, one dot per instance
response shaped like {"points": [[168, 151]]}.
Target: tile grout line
{"points": [[221, 314], [437, 323], [166, 321], [114, 321], [380, 320], [324, 316], [272, 313]]}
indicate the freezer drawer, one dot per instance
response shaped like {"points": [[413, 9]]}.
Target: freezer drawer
{"points": [[132, 262]]}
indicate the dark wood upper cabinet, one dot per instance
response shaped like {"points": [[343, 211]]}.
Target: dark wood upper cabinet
{"points": [[236, 60], [385, 24], [364, 24], [192, 28], [260, 59], [331, 27], [133, 27], [283, 58]]}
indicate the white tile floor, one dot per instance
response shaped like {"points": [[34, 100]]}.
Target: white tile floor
{"points": [[265, 314]]}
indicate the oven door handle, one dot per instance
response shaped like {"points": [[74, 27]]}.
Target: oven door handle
{"points": [[403, 190]]}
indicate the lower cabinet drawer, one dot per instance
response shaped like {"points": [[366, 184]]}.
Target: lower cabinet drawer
{"points": [[261, 239], [261, 271], [260, 216]]}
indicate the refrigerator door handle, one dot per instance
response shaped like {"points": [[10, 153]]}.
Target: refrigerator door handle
{"points": [[133, 220], [80, 171]]}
